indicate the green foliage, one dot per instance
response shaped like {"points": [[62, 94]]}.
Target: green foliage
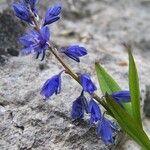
{"points": [[128, 124], [134, 88], [108, 84], [128, 117]]}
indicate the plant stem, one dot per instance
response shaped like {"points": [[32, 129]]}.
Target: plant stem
{"points": [[73, 75], [68, 70]]}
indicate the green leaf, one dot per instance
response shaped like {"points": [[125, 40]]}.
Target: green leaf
{"points": [[134, 88], [128, 123], [108, 84]]}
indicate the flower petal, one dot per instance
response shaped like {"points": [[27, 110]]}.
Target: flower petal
{"points": [[121, 96], [77, 111], [104, 131], [79, 106], [52, 14], [51, 86], [45, 33], [95, 111], [77, 50], [73, 57], [22, 12], [87, 84], [74, 52], [26, 40], [26, 51]]}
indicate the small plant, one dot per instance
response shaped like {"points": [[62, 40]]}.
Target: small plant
{"points": [[121, 105]]}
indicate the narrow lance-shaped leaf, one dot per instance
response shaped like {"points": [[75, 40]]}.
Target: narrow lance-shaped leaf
{"points": [[134, 88], [128, 123], [108, 84]]}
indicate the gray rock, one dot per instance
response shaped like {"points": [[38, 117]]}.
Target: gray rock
{"points": [[28, 122], [11, 30]]}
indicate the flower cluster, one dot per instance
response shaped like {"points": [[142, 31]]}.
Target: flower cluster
{"points": [[105, 127], [36, 41]]}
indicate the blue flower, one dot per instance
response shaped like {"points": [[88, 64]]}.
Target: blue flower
{"points": [[22, 12], [74, 52], [87, 84], [78, 107], [51, 86], [31, 4], [52, 14], [36, 42], [95, 111], [105, 130], [121, 96], [24, 8]]}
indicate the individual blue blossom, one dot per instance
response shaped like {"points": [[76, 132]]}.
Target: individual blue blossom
{"points": [[22, 12], [36, 42], [24, 8], [52, 14], [78, 107], [87, 84], [51, 86], [74, 52], [31, 4], [121, 96], [94, 111], [105, 130]]}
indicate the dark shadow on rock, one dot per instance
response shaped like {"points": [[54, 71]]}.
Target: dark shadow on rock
{"points": [[10, 31]]}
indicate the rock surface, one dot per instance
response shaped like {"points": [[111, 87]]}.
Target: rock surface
{"points": [[9, 35], [26, 121]]}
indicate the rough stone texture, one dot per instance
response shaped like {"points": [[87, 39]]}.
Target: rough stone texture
{"points": [[9, 34], [26, 121]]}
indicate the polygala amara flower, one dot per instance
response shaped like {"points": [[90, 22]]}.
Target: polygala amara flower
{"points": [[51, 86], [24, 8], [121, 96], [105, 130], [22, 12], [52, 14], [74, 52], [95, 111], [78, 107], [87, 84], [31, 4], [36, 42]]}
